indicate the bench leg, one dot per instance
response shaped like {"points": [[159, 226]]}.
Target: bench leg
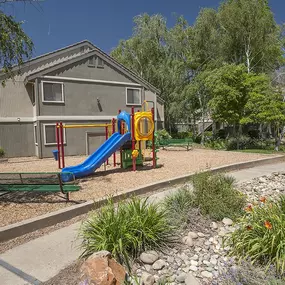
{"points": [[67, 196]]}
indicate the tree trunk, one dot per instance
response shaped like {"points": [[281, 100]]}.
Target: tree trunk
{"points": [[278, 137], [203, 129]]}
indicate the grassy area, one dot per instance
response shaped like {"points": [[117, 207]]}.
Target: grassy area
{"points": [[265, 151]]}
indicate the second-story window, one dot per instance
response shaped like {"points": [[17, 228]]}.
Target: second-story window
{"points": [[134, 96], [52, 92]]}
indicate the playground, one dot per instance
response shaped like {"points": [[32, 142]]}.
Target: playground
{"points": [[20, 206]]}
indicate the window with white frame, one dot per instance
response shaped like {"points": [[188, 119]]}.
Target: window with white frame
{"points": [[52, 92], [35, 134], [134, 96], [50, 134]]}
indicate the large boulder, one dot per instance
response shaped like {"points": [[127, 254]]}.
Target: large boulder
{"points": [[101, 269]]}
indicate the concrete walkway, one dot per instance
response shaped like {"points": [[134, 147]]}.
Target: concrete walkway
{"points": [[41, 259]]}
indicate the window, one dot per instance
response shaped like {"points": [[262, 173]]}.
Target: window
{"points": [[134, 96], [52, 92], [50, 134], [100, 62], [35, 134], [92, 61]]}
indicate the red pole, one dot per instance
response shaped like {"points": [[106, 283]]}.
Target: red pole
{"points": [[121, 152], [113, 131], [62, 144], [133, 137], [153, 142], [106, 134], [58, 144]]}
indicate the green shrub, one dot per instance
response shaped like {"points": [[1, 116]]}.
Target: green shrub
{"points": [[163, 134], [216, 196], [2, 153], [261, 235], [217, 144], [247, 274], [232, 143], [125, 231], [178, 205]]}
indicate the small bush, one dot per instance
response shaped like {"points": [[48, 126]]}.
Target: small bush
{"points": [[247, 274], [163, 134], [217, 144], [232, 143], [178, 205], [216, 196], [260, 235], [2, 153], [125, 231]]}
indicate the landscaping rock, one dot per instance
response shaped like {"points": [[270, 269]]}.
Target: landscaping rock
{"points": [[149, 257], [194, 262], [181, 277], [159, 264], [193, 268], [191, 280], [207, 274], [193, 235], [214, 226], [227, 222], [188, 240], [100, 268], [147, 279]]}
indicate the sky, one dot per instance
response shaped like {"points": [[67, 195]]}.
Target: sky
{"points": [[53, 24]]}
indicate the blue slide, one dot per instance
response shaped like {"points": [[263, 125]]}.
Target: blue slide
{"points": [[96, 159]]}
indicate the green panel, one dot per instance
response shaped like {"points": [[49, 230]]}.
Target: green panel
{"points": [[38, 188]]}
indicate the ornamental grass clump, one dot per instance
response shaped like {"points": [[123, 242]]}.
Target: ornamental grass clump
{"points": [[126, 230], [260, 234], [178, 206], [216, 196]]}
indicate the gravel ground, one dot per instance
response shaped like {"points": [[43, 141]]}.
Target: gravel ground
{"points": [[20, 206]]}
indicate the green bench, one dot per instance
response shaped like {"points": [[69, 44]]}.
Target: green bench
{"points": [[36, 182], [185, 143]]}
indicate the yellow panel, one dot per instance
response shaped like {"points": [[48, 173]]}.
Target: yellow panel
{"points": [[143, 132]]}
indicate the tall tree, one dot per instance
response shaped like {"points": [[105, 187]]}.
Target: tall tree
{"points": [[250, 35], [265, 105], [229, 94], [15, 45]]}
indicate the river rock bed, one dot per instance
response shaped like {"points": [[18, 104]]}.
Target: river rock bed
{"points": [[269, 186], [196, 259], [200, 257]]}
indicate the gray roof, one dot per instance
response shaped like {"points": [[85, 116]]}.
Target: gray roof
{"points": [[53, 59]]}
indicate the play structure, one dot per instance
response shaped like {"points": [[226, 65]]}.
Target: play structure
{"points": [[133, 131]]}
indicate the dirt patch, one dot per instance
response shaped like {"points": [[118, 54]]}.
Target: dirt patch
{"points": [[16, 207]]}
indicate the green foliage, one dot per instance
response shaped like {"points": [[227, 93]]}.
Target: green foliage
{"points": [[217, 144], [260, 235], [2, 152], [163, 135], [247, 274], [15, 45], [228, 94], [182, 135], [178, 205], [216, 196], [243, 141], [125, 231]]}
